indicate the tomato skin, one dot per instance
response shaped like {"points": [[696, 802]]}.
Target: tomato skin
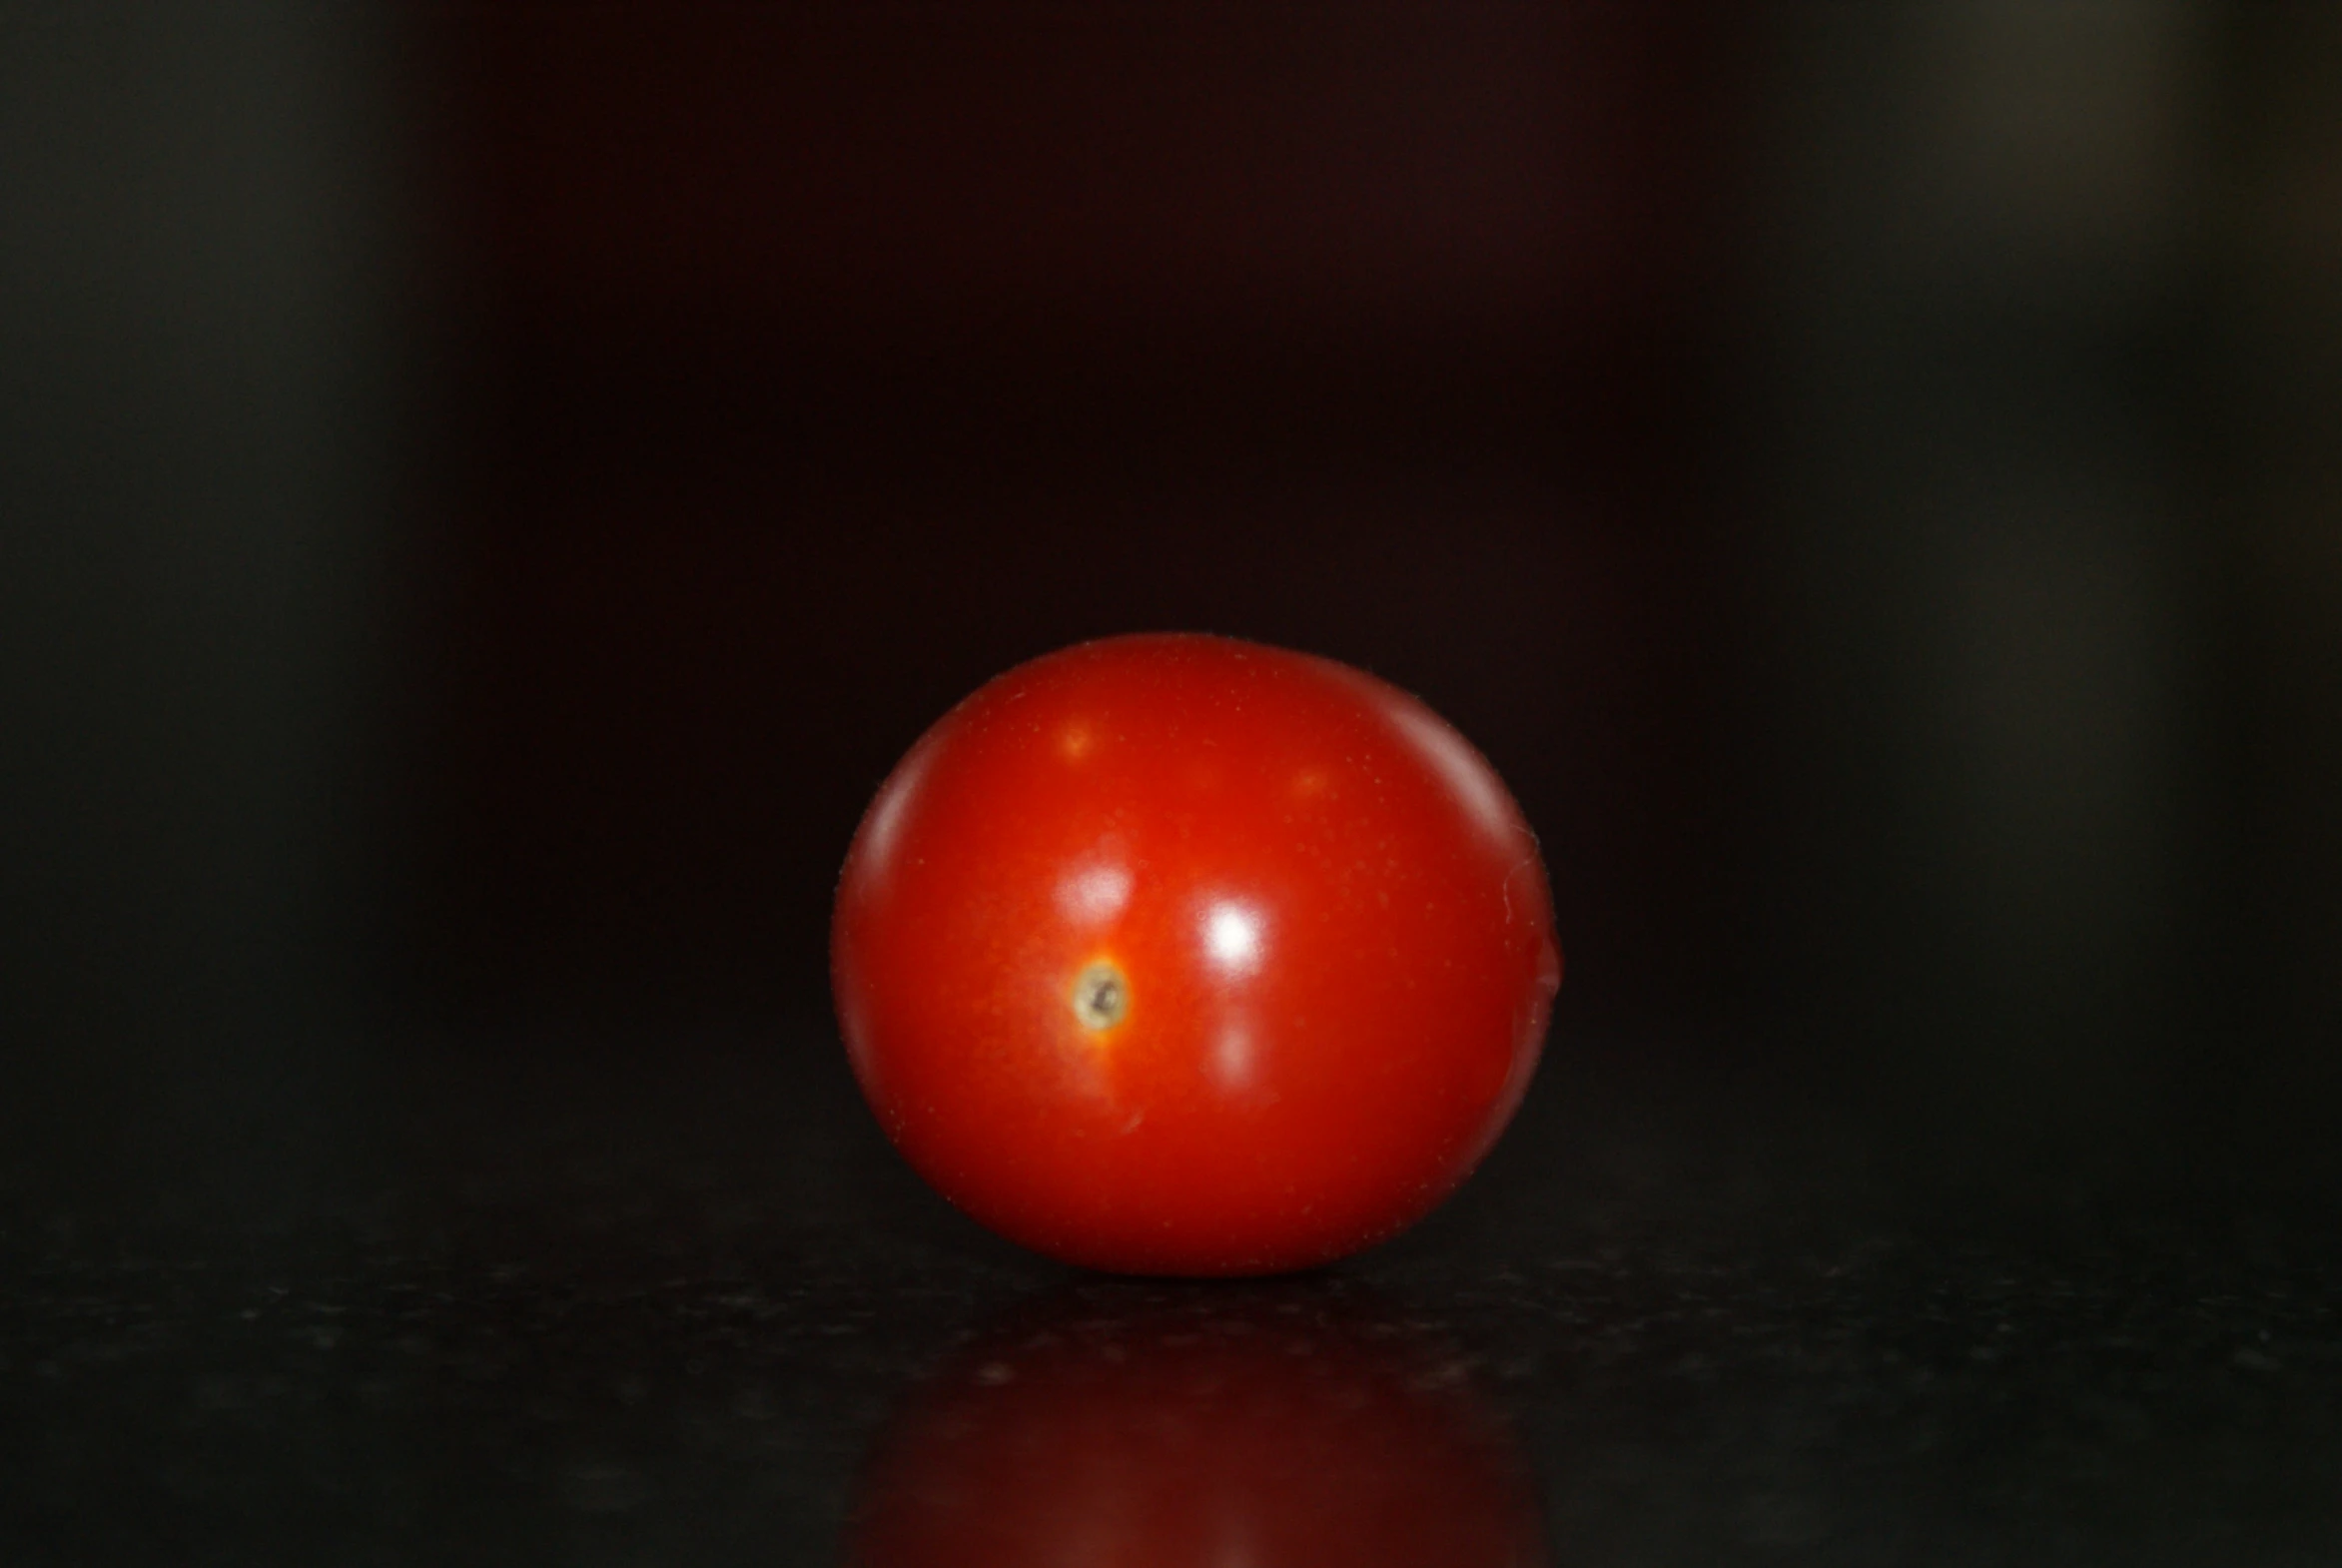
{"points": [[1173, 954]]}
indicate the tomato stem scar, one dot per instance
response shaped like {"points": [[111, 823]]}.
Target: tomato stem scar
{"points": [[1101, 996]]}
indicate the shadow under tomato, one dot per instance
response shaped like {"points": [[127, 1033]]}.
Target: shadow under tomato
{"points": [[1287, 1424]]}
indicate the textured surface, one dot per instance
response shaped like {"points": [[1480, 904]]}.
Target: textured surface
{"points": [[606, 1307]]}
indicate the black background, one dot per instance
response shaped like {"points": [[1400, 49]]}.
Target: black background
{"points": [[487, 491]]}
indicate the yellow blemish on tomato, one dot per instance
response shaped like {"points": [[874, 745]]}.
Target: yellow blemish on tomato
{"points": [[1075, 742], [1310, 783]]}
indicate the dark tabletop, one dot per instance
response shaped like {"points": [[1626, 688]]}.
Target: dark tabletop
{"points": [[604, 1304]]}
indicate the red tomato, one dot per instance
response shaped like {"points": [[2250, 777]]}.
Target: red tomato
{"points": [[1174, 953]]}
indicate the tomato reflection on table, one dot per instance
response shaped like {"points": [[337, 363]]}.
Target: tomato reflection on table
{"points": [[1145, 1427]]}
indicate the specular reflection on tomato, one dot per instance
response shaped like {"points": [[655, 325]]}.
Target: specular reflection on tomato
{"points": [[1136, 1425]]}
